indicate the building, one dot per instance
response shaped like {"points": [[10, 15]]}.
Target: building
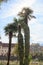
{"points": [[35, 48], [4, 48]]}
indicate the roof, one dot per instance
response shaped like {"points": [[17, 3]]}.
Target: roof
{"points": [[6, 44]]}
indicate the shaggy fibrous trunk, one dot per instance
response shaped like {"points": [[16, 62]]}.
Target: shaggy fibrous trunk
{"points": [[20, 46], [27, 45], [27, 41]]}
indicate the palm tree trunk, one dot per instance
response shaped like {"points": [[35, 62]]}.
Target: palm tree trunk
{"points": [[9, 49], [27, 45], [20, 47]]}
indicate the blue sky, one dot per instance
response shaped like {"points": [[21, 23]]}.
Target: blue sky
{"points": [[10, 10]]}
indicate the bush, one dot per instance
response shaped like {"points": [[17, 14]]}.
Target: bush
{"points": [[30, 57]]}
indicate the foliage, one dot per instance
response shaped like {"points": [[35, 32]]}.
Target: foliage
{"points": [[10, 28], [15, 50], [26, 14], [30, 57], [3, 1]]}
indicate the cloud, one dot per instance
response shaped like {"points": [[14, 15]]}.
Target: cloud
{"points": [[38, 9], [13, 9], [36, 31], [6, 39], [36, 25]]}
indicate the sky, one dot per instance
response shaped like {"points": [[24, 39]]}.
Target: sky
{"points": [[10, 10]]}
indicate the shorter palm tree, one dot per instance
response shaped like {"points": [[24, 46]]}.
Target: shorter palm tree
{"points": [[9, 30]]}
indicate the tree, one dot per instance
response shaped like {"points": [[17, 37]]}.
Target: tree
{"points": [[25, 14], [20, 42], [9, 30]]}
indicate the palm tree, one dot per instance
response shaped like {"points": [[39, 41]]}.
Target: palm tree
{"points": [[26, 14], [20, 42], [9, 30]]}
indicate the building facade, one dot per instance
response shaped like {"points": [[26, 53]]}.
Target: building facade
{"points": [[34, 48], [4, 48]]}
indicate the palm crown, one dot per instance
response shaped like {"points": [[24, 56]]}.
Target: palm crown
{"points": [[10, 28], [26, 13]]}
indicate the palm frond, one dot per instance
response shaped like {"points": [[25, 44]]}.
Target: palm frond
{"points": [[32, 16], [27, 10]]}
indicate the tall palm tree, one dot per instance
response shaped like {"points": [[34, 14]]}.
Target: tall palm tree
{"points": [[26, 14], [9, 30]]}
